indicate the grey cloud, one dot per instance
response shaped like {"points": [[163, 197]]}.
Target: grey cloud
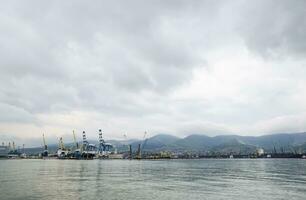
{"points": [[15, 114], [275, 28], [127, 59], [115, 43]]}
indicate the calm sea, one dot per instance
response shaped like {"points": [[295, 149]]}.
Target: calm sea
{"points": [[162, 179]]}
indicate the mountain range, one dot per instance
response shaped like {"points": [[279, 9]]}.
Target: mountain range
{"points": [[283, 142]]}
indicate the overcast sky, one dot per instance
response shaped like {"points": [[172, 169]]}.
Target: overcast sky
{"points": [[178, 67]]}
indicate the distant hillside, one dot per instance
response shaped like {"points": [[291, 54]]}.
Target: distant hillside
{"points": [[282, 141], [156, 142], [234, 147], [192, 143], [234, 143]]}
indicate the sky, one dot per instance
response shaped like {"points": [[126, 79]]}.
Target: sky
{"points": [[161, 66]]}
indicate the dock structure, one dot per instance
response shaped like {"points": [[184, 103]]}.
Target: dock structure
{"points": [[79, 150]]}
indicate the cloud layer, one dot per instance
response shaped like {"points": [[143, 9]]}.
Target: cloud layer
{"points": [[160, 66]]}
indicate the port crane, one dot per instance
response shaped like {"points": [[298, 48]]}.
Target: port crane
{"points": [[61, 144], [76, 144], [101, 143], [141, 146], [104, 147], [88, 150], [130, 152], [61, 152], [145, 139], [45, 152], [77, 151], [85, 143]]}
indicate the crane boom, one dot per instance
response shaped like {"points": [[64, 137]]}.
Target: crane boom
{"points": [[144, 140], [141, 146], [44, 140], [75, 141]]}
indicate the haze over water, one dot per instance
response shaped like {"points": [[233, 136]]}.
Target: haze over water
{"points": [[162, 179]]}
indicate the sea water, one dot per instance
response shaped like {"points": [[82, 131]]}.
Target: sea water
{"points": [[153, 179]]}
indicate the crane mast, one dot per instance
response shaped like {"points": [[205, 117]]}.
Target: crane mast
{"points": [[85, 143], [45, 152], [61, 144], [101, 142], [141, 146], [44, 140], [75, 141]]}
